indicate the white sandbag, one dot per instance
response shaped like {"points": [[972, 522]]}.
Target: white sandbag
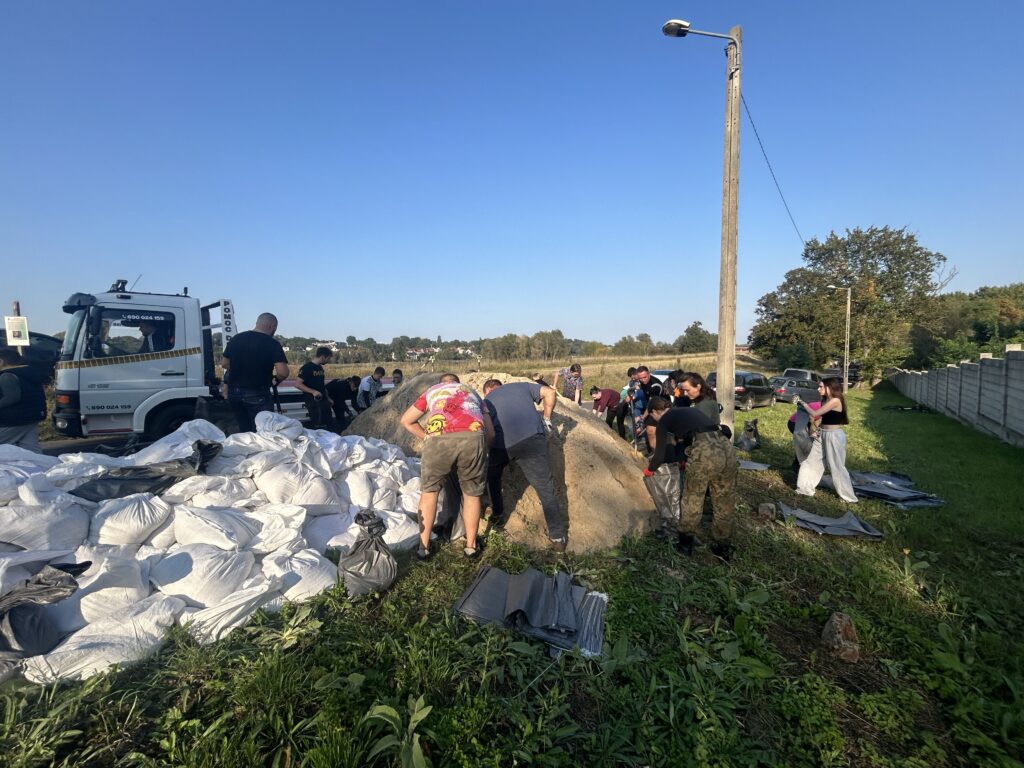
{"points": [[410, 487], [291, 484], [332, 531], [335, 448], [163, 536], [45, 527], [384, 498], [223, 527], [107, 587], [128, 520], [279, 528], [16, 567], [39, 491], [359, 488], [178, 444], [360, 451], [69, 476], [408, 504], [13, 457], [245, 444], [9, 482], [208, 625], [201, 574], [289, 434], [149, 556], [210, 491], [128, 635], [303, 574], [403, 532]]}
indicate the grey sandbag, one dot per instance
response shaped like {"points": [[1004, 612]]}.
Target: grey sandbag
{"points": [[550, 609], [803, 442], [117, 482], [25, 628], [369, 566], [847, 525], [666, 488]]}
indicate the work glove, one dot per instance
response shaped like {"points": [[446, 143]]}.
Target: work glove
{"points": [[648, 473]]}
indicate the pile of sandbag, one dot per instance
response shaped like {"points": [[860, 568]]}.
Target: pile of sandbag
{"points": [[229, 525]]}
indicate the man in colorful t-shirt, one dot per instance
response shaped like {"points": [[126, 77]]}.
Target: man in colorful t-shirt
{"points": [[456, 436]]}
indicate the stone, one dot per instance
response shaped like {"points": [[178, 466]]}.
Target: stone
{"points": [[840, 638]]}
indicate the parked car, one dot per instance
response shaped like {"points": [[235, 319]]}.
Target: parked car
{"points": [[751, 389], [41, 353], [788, 389], [802, 373]]}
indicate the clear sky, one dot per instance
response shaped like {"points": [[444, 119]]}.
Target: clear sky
{"points": [[474, 168]]}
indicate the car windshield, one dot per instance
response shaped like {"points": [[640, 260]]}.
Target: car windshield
{"points": [[67, 350]]}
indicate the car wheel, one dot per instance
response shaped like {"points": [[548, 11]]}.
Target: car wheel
{"points": [[771, 403], [748, 403]]}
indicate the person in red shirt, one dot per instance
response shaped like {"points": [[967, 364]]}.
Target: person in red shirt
{"points": [[606, 403], [457, 434]]}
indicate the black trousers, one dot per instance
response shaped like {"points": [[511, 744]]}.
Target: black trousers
{"points": [[246, 403], [620, 418], [531, 456], [319, 412]]}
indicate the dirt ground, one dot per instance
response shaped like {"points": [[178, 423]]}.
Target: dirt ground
{"points": [[597, 477]]}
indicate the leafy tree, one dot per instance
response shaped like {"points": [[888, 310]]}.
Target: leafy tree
{"points": [[696, 338], [893, 279]]}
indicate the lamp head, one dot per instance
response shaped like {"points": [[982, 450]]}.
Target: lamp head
{"points": [[675, 28]]}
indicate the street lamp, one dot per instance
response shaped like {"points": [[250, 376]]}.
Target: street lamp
{"points": [[726, 365], [846, 346]]}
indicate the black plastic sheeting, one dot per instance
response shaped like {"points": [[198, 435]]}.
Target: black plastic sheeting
{"points": [[893, 488], [847, 525], [549, 608], [25, 629], [117, 482], [369, 566]]}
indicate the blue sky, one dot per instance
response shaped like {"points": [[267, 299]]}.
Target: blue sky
{"points": [[474, 168]]}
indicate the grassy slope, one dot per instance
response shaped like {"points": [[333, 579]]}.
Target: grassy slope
{"points": [[706, 664]]}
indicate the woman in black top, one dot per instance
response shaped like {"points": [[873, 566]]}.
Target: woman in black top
{"points": [[828, 451]]}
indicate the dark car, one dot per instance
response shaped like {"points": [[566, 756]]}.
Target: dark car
{"points": [[787, 388], [41, 353], [751, 389]]}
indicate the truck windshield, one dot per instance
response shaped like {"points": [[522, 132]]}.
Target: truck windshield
{"points": [[67, 350]]}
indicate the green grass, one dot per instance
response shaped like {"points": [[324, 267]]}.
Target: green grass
{"points": [[705, 664]]}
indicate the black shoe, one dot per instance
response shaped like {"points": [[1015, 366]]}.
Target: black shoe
{"points": [[685, 544], [424, 553], [559, 545], [722, 550]]}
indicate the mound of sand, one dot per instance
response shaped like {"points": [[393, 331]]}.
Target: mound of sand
{"points": [[598, 479]]}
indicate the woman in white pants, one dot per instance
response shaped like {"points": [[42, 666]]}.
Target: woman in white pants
{"points": [[828, 452]]}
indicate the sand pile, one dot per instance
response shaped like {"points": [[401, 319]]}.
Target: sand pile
{"points": [[597, 477]]}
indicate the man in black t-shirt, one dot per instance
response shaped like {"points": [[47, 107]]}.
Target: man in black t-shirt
{"points": [[313, 385], [343, 394], [253, 359]]}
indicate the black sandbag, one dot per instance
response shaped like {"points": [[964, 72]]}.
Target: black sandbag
{"points": [[117, 482], [25, 628], [369, 566]]}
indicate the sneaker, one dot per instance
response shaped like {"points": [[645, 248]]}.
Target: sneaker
{"points": [[423, 553], [685, 544], [471, 552], [559, 545], [722, 550]]}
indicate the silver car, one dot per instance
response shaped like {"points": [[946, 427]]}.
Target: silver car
{"points": [[788, 388]]}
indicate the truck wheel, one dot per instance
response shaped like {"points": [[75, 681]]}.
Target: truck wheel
{"points": [[169, 419]]}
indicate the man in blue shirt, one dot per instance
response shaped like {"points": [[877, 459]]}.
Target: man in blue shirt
{"points": [[521, 436]]}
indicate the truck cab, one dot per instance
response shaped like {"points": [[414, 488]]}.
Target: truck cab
{"points": [[135, 362]]}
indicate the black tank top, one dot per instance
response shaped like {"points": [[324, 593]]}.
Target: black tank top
{"points": [[834, 418]]}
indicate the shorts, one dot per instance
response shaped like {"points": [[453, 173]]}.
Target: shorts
{"points": [[465, 451]]}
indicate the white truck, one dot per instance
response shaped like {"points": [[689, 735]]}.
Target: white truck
{"points": [[138, 362]]}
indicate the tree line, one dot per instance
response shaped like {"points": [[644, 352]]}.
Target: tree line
{"points": [[543, 345]]}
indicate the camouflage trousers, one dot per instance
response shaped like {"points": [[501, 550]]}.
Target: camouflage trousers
{"points": [[711, 464]]}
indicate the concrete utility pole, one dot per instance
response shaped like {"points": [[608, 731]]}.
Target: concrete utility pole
{"points": [[725, 370], [846, 345], [730, 225]]}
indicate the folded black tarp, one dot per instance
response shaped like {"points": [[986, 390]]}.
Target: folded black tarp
{"points": [[847, 525], [117, 482], [548, 608], [892, 488]]}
